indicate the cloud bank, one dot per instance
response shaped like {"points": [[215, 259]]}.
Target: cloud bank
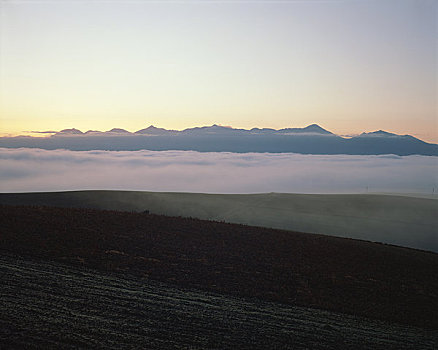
{"points": [[28, 170]]}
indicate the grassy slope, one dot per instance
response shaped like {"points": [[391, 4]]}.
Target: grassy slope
{"points": [[405, 221], [344, 275]]}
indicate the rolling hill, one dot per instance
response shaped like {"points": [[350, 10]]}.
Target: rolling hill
{"points": [[398, 220]]}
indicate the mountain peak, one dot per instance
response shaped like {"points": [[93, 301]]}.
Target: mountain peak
{"points": [[316, 128], [379, 133], [119, 131], [310, 129], [219, 127], [152, 130], [72, 131]]}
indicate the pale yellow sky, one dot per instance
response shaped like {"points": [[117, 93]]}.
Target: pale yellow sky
{"points": [[347, 66]]}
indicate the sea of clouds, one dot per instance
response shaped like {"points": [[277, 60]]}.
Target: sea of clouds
{"points": [[29, 170]]}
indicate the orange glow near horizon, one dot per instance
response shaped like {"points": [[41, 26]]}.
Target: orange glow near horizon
{"points": [[341, 132], [104, 65]]}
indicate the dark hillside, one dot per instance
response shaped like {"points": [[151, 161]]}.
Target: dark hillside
{"points": [[350, 276], [397, 220]]}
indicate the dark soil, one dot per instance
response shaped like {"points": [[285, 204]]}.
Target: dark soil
{"points": [[343, 275], [50, 305]]}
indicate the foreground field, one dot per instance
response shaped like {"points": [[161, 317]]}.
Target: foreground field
{"points": [[343, 275], [50, 305], [399, 220]]}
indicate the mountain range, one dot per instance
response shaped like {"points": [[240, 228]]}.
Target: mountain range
{"points": [[204, 130], [312, 139]]}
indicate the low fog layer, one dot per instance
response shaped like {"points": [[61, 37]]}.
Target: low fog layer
{"points": [[26, 170]]}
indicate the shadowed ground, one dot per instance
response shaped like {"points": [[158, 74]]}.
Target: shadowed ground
{"points": [[51, 306], [399, 220], [343, 275]]}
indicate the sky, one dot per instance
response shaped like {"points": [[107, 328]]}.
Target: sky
{"points": [[349, 66], [30, 170]]}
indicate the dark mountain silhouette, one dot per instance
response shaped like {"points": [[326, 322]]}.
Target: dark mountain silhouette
{"points": [[93, 132], [379, 133], [373, 142], [70, 132], [207, 130], [118, 131], [263, 131], [312, 139], [152, 130], [311, 129], [215, 130]]}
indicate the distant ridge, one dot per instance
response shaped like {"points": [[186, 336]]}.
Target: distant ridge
{"points": [[312, 139], [69, 132], [152, 130], [378, 133], [119, 131], [313, 128], [213, 129]]}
